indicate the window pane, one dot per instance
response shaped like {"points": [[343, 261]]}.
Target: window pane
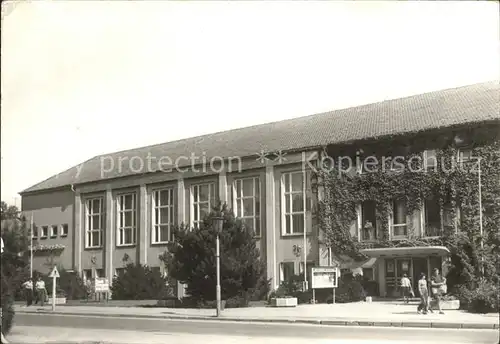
{"points": [[127, 219], [368, 213], [248, 222], [128, 235], [171, 218], [204, 210], [298, 223], [195, 193], [399, 212], [287, 182], [257, 206], [164, 233], [297, 182], [129, 202], [238, 188], [298, 203], [287, 203], [96, 206], [432, 213], [257, 226], [165, 197], [399, 230], [156, 216], [288, 270], [248, 187], [257, 187], [164, 215], [96, 222], [204, 193], [89, 238], [248, 207], [195, 211], [287, 224], [95, 238]]}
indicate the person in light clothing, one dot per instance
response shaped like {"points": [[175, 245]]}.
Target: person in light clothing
{"points": [[423, 290], [438, 288], [406, 288], [28, 292], [41, 292]]}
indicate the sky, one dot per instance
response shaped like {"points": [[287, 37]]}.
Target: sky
{"points": [[83, 78]]}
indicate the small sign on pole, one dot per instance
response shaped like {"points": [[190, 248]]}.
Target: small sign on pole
{"points": [[55, 275]]}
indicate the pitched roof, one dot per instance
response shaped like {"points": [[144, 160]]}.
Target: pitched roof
{"points": [[458, 106]]}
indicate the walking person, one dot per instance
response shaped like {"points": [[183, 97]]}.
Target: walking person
{"points": [[28, 292], [424, 295], [41, 292], [438, 288], [406, 288]]}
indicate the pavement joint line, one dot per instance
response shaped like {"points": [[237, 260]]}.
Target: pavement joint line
{"points": [[407, 324]]}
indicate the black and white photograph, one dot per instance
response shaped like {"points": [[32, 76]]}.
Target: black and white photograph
{"points": [[240, 172]]}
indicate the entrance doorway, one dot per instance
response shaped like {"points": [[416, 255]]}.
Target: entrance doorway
{"points": [[403, 267], [395, 268], [419, 266]]}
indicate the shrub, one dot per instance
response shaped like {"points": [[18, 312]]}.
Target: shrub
{"points": [[350, 289], [482, 299], [191, 259], [7, 314], [139, 282]]}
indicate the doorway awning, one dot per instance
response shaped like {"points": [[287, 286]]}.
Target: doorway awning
{"points": [[406, 251], [359, 265]]}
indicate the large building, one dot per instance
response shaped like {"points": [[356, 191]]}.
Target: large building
{"points": [[121, 207]]}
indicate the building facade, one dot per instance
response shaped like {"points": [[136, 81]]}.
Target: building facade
{"points": [[97, 217]]}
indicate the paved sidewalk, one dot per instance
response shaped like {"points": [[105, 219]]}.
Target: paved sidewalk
{"points": [[362, 314]]}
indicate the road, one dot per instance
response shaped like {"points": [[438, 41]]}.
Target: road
{"points": [[190, 331]]}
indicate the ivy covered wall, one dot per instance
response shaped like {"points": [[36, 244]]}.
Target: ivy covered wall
{"points": [[452, 183]]}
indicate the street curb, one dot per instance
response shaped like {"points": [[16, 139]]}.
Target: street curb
{"points": [[411, 324]]}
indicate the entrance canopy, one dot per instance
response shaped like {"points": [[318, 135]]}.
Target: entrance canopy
{"points": [[406, 251], [359, 265]]}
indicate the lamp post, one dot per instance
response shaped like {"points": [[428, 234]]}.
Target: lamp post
{"points": [[218, 222]]}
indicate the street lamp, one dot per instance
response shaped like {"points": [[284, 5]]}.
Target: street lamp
{"points": [[218, 222]]}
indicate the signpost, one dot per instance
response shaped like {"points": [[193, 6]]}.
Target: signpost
{"points": [[324, 278], [101, 285], [55, 275]]}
